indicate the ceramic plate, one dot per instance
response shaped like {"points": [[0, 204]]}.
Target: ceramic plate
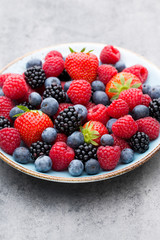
{"points": [[18, 66]]}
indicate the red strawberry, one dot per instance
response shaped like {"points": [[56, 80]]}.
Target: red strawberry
{"points": [[106, 72], [61, 137], [92, 131], [90, 105], [31, 125], [9, 140], [118, 108], [108, 157], [132, 96], [61, 156], [62, 106], [109, 55], [53, 66], [146, 99], [120, 142], [82, 65], [139, 71], [79, 92], [3, 78], [15, 87], [98, 113], [53, 53], [125, 127], [149, 126], [5, 107]]}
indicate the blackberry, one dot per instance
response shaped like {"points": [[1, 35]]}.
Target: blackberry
{"points": [[68, 121], [35, 76], [28, 105], [4, 122], [56, 92], [39, 148], [154, 109], [139, 142], [85, 152], [64, 76]]}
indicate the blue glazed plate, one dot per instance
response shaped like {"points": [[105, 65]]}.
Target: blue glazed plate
{"points": [[18, 66]]}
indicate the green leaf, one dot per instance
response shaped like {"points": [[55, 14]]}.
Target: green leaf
{"points": [[113, 90], [71, 50], [40, 113], [23, 108], [95, 132], [90, 50], [83, 49], [136, 85], [128, 83], [94, 143], [94, 136], [117, 85], [17, 115], [115, 97], [122, 79]]}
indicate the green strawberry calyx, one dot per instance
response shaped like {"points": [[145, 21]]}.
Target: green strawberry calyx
{"points": [[82, 51], [25, 109], [89, 134], [123, 86]]}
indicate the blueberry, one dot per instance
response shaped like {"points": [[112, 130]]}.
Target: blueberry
{"points": [[67, 85], [155, 92], [49, 135], [146, 89], [82, 110], [100, 63], [75, 139], [68, 100], [22, 155], [15, 111], [33, 62], [35, 99], [75, 168], [127, 155], [51, 80], [107, 140], [98, 86], [1, 92], [140, 111], [110, 123], [100, 97], [120, 66], [49, 106], [92, 166], [43, 164]]}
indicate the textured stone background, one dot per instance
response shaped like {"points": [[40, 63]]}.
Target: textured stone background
{"points": [[123, 208]]}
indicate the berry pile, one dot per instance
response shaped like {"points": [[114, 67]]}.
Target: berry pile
{"points": [[80, 114]]}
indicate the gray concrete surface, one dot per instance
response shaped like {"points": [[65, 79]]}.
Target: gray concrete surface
{"points": [[123, 208]]}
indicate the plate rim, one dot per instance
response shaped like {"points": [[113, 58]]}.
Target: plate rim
{"points": [[94, 178]]}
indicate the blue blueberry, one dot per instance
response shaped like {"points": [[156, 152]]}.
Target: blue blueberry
{"points": [[33, 62], [120, 66], [82, 110], [100, 97], [35, 99], [43, 164], [22, 155], [68, 100], [127, 155], [75, 139], [155, 92], [146, 89], [107, 140], [51, 80], [110, 123], [100, 63], [75, 168], [49, 135], [49, 106], [15, 111], [98, 86], [140, 111], [67, 85], [92, 166], [1, 92]]}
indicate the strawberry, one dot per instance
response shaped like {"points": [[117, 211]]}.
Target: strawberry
{"points": [[109, 55], [125, 127], [92, 131], [53, 66], [31, 124], [98, 113], [120, 142], [108, 157], [139, 71], [118, 108], [5, 106], [3, 78], [61, 156], [106, 72], [120, 82], [82, 65], [146, 99], [53, 53]]}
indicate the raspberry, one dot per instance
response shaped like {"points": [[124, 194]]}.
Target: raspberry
{"points": [[61, 156], [125, 127], [62, 106], [62, 84], [132, 96], [15, 87], [120, 142], [149, 126], [106, 72], [146, 99], [53, 66], [118, 108], [61, 137], [53, 53], [109, 55], [98, 113], [139, 71], [90, 105], [108, 156], [9, 140], [3, 78], [79, 92], [5, 107]]}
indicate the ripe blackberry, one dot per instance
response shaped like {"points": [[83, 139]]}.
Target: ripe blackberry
{"points": [[68, 121], [4, 122], [56, 92], [39, 148], [139, 142], [154, 109], [86, 151], [64, 76], [28, 105], [35, 76]]}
